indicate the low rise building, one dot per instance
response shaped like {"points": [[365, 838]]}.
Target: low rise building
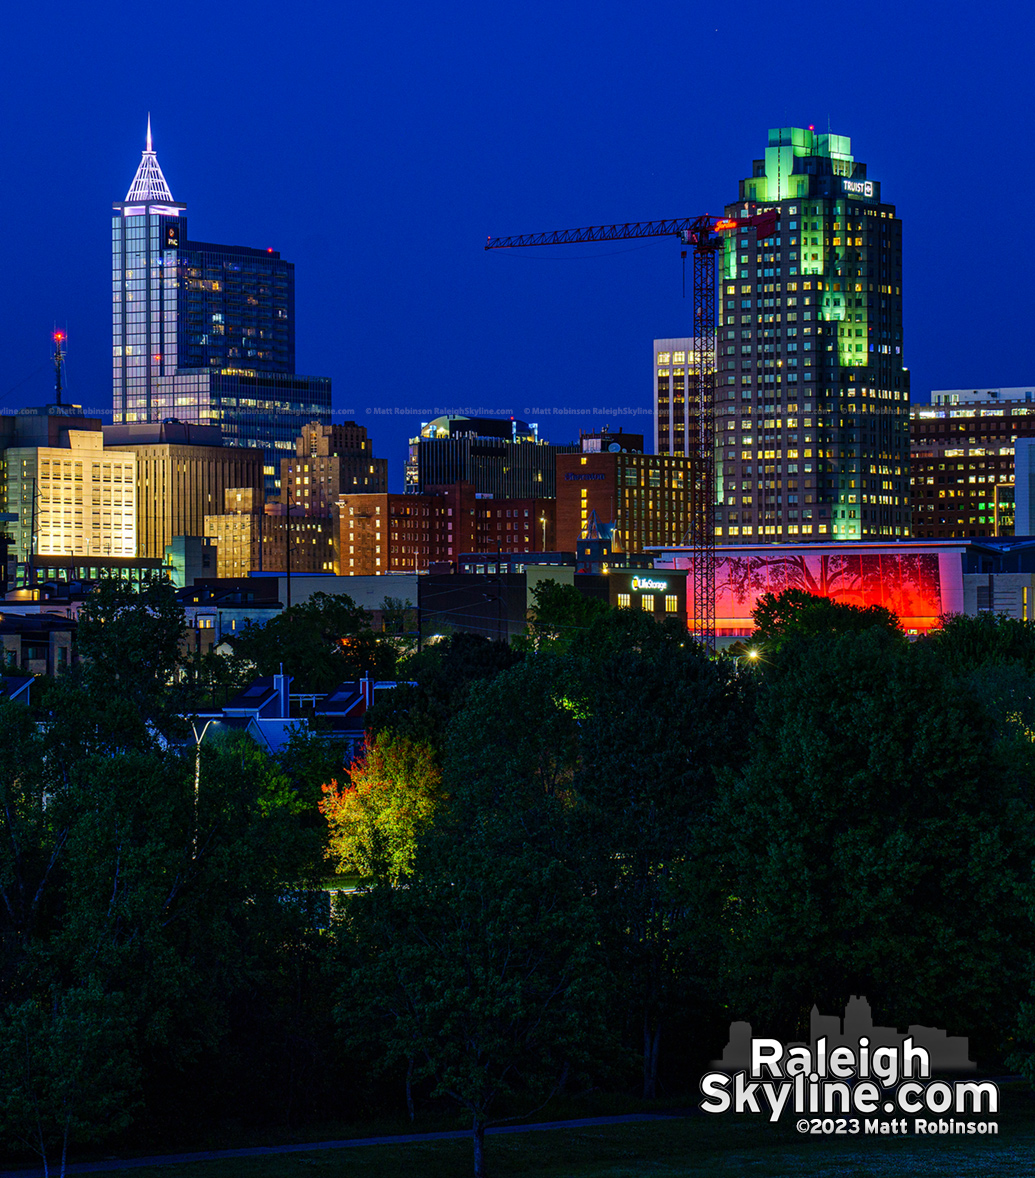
{"points": [[920, 581], [36, 643]]}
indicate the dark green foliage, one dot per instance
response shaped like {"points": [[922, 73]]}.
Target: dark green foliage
{"points": [[441, 676], [130, 638], [873, 846], [482, 975], [632, 843], [624, 737], [132, 914], [320, 643], [964, 643], [559, 615], [68, 1074], [795, 614]]}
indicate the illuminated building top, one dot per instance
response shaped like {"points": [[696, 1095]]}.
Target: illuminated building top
{"points": [[149, 184], [799, 162]]}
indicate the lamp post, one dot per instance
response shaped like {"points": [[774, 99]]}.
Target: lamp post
{"points": [[198, 738]]}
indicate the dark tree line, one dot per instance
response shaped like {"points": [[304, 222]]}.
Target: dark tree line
{"points": [[587, 855]]}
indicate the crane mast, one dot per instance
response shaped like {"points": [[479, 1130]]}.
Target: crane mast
{"points": [[705, 235]]}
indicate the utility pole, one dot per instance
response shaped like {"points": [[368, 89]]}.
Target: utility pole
{"points": [[287, 541]]}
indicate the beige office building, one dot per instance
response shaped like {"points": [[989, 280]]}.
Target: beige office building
{"points": [[77, 499], [183, 473]]}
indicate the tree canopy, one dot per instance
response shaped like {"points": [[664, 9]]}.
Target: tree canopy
{"points": [[322, 642], [795, 614]]}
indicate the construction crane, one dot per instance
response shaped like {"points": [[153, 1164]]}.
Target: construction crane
{"points": [[706, 236]]}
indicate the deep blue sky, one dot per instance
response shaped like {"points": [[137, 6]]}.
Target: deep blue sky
{"points": [[377, 145]]}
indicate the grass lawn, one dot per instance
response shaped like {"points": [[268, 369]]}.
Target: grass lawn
{"points": [[693, 1146]]}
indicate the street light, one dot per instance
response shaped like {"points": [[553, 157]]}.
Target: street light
{"points": [[197, 776]]}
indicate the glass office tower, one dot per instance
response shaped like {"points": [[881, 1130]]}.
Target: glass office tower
{"points": [[811, 391], [202, 332]]}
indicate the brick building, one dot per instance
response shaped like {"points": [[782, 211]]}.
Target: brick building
{"points": [[251, 537], [963, 466], [640, 499], [406, 533], [330, 461]]}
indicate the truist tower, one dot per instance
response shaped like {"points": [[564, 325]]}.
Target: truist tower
{"points": [[811, 392]]}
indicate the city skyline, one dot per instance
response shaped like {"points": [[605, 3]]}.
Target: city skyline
{"points": [[382, 194]]}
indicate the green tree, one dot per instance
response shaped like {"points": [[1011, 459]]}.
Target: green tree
{"points": [[130, 636], [480, 975], [660, 724], [69, 1073], [966, 643], [795, 614], [320, 643], [558, 616], [876, 843], [610, 755], [115, 882], [436, 685], [375, 820]]}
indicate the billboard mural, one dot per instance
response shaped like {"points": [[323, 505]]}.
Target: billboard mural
{"points": [[910, 584]]}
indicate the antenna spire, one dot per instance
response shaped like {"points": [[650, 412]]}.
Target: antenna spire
{"points": [[59, 359], [149, 183]]}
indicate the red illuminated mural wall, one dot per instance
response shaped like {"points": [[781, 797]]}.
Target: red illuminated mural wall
{"points": [[909, 584]]}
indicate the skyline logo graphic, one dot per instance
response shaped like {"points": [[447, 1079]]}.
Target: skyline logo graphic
{"points": [[848, 1074]]}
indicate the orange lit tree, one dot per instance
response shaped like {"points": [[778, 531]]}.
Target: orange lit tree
{"points": [[375, 819]]}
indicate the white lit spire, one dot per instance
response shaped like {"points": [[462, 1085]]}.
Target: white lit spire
{"points": [[149, 183]]}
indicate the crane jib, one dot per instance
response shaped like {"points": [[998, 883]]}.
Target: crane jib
{"points": [[692, 230], [706, 236]]}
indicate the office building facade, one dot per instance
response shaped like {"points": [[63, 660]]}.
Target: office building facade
{"points": [[252, 537], [183, 471], [330, 461], [69, 496], [964, 462], [204, 332], [501, 457], [637, 500], [675, 387], [812, 392]]}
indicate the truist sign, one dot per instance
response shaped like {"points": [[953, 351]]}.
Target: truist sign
{"points": [[858, 187]]}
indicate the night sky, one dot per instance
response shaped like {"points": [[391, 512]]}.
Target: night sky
{"points": [[377, 146]]}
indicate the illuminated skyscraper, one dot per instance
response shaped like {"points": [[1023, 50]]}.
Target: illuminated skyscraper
{"points": [[204, 333], [812, 392]]}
